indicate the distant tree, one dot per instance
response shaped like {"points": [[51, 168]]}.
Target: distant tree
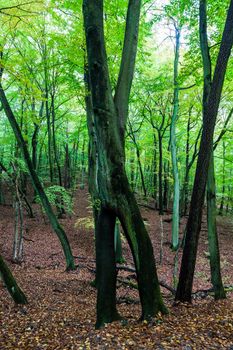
{"points": [[70, 265]]}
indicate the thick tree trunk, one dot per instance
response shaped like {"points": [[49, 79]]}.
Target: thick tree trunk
{"points": [[110, 189], [106, 268], [140, 244]]}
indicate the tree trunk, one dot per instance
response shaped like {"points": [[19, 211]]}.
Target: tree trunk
{"points": [[37, 184], [106, 268], [111, 191], [184, 290], [67, 170], [223, 180], [140, 169], [176, 191], [186, 177], [11, 284], [161, 212], [118, 244], [154, 172], [216, 277], [55, 151]]}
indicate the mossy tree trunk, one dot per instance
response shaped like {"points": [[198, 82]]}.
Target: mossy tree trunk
{"points": [[11, 284], [70, 265], [110, 190], [184, 289], [216, 278]]}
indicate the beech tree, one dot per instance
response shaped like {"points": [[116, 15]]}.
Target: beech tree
{"points": [[111, 193], [211, 190], [184, 289]]}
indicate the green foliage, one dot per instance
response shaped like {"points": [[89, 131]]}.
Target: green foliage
{"points": [[85, 223], [59, 197]]}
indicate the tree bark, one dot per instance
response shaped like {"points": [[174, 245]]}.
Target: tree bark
{"points": [[11, 284], [193, 227], [70, 265], [111, 192], [176, 191]]}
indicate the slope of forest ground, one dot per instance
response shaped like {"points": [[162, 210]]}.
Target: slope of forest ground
{"points": [[61, 310]]}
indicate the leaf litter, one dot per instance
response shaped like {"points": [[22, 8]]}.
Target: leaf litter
{"points": [[61, 310]]}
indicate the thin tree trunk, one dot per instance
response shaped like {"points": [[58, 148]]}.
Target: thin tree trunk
{"points": [[223, 180], [11, 284], [118, 244], [161, 212], [176, 192], [70, 265], [216, 277], [140, 169], [186, 177], [55, 152], [154, 172]]}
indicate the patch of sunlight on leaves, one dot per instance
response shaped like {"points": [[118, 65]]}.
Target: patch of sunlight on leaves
{"points": [[85, 223]]}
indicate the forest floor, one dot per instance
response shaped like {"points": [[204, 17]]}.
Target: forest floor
{"points": [[61, 310]]}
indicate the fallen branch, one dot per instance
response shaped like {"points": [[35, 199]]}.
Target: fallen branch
{"points": [[203, 293], [127, 300], [162, 284], [28, 239]]}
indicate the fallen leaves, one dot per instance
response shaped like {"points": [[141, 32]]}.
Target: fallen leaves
{"points": [[61, 312]]}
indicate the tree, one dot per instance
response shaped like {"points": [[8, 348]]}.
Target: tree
{"points": [[112, 196], [211, 190], [11, 284], [184, 289], [36, 182]]}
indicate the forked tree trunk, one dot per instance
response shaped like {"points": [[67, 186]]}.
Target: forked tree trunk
{"points": [[112, 196], [184, 290]]}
